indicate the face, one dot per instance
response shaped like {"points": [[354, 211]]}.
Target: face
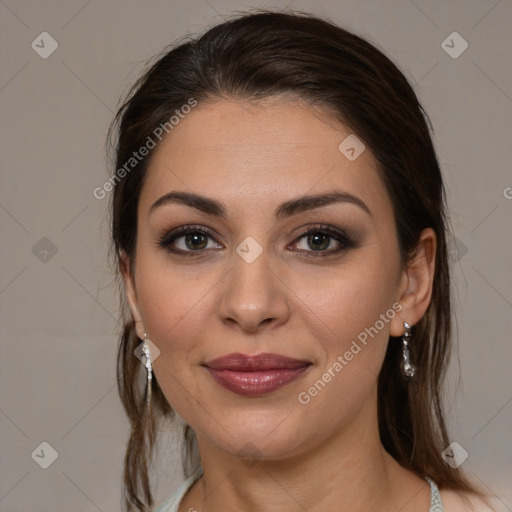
{"points": [[249, 262]]}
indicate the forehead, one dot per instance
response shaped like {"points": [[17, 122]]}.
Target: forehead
{"points": [[259, 154]]}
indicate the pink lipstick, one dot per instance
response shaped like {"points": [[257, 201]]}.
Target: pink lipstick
{"points": [[255, 375]]}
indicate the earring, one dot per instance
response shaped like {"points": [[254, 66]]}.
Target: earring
{"points": [[149, 368], [408, 369]]}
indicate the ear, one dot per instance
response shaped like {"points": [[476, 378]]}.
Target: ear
{"points": [[415, 290], [131, 294]]}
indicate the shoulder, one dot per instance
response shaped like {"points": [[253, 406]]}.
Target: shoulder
{"points": [[454, 501]]}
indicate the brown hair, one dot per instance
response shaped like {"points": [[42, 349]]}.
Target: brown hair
{"points": [[260, 55]]}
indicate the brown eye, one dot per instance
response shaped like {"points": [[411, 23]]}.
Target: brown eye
{"points": [[324, 241], [188, 240], [195, 241], [319, 241]]}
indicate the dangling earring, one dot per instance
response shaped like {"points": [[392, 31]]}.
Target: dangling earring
{"points": [[149, 368], [408, 369]]}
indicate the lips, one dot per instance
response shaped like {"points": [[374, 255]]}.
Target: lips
{"points": [[255, 375]]}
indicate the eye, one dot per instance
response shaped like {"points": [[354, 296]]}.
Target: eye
{"points": [[320, 241], [188, 240], [323, 240]]}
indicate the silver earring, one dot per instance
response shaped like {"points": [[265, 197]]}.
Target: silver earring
{"points": [[408, 369], [149, 368]]}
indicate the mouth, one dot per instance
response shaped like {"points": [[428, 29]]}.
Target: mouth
{"points": [[255, 375]]}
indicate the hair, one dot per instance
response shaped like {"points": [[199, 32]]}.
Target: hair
{"points": [[265, 54]]}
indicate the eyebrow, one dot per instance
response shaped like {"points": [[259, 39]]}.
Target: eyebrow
{"points": [[286, 209]]}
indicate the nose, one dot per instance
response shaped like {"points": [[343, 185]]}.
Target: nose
{"points": [[254, 297]]}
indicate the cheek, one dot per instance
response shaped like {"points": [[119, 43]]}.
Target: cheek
{"points": [[353, 309], [346, 302], [349, 315], [174, 305], [175, 310], [354, 348]]}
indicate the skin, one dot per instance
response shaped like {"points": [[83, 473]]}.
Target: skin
{"points": [[252, 157]]}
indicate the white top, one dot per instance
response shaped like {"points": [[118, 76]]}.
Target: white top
{"points": [[173, 503]]}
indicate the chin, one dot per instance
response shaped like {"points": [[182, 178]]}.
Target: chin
{"points": [[259, 436]]}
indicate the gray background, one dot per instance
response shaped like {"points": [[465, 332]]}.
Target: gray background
{"points": [[59, 311]]}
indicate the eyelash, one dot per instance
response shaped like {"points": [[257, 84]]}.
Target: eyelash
{"points": [[345, 241]]}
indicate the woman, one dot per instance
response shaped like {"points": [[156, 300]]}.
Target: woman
{"points": [[279, 223]]}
